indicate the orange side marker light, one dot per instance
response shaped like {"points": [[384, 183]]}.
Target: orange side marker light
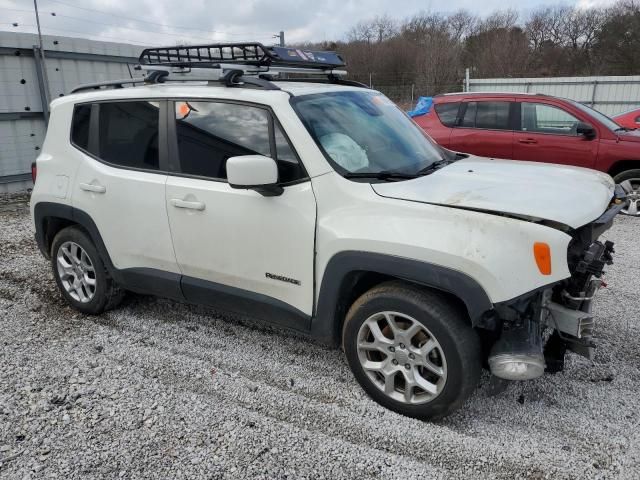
{"points": [[542, 254]]}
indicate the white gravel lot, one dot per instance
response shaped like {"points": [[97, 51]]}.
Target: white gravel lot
{"points": [[157, 389]]}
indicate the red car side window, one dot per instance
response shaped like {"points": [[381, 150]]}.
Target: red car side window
{"points": [[447, 113], [469, 119], [493, 115], [543, 118]]}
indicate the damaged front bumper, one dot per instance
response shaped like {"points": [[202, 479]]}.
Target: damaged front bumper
{"points": [[564, 308]]}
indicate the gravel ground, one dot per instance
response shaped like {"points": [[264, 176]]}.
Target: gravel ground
{"points": [[157, 389]]}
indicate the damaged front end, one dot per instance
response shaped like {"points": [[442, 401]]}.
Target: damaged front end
{"points": [[564, 309]]}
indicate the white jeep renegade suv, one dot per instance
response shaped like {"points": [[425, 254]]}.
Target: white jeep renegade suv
{"points": [[319, 205]]}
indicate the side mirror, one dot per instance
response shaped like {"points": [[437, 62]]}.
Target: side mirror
{"points": [[254, 172], [586, 129]]}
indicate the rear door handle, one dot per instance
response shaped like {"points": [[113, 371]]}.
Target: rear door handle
{"points": [[529, 141], [90, 187], [178, 203]]}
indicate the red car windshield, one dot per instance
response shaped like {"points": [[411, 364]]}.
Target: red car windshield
{"points": [[601, 117]]}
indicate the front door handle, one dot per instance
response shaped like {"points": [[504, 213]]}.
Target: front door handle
{"points": [[178, 203], [529, 141], [90, 187]]}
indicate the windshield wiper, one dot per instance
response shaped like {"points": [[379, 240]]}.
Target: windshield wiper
{"points": [[383, 175], [434, 166]]}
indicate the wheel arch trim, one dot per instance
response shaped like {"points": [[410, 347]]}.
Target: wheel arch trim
{"points": [[326, 322], [45, 210], [620, 166]]}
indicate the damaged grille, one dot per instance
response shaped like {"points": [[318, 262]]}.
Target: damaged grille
{"points": [[569, 312]]}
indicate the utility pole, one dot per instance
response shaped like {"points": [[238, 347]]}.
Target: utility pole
{"points": [[45, 108], [35, 5], [280, 36]]}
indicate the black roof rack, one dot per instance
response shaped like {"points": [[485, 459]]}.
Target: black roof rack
{"points": [[235, 64], [253, 54]]}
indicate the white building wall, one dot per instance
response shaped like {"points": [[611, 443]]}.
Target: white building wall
{"points": [[69, 62]]}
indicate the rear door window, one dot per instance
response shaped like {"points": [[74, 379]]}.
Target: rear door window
{"points": [[447, 113], [493, 115], [126, 133], [129, 134]]}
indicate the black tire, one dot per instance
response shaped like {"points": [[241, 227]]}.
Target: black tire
{"points": [[627, 175], [634, 178], [449, 325], [107, 294]]}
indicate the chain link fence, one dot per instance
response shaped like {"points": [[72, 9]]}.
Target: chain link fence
{"points": [[404, 90]]}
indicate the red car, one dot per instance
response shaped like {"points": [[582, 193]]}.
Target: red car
{"points": [[629, 119], [538, 128]]}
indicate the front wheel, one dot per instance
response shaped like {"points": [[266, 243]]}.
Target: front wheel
{"points": [[412, 350], [630, 182]]}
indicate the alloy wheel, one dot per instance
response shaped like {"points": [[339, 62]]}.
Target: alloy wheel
{"points": [[632, 189], [76, 272], [402, 357]]}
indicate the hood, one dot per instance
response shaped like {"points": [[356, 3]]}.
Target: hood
{"points": [[572, 196]]}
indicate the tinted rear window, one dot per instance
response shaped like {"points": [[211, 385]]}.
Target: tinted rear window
{"points": [[447, 113], [129, 134]]}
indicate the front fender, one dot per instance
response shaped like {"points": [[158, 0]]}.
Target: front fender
{"points": [[325, 323]]}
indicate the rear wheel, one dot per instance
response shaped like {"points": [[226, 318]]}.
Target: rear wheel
{"points": [[412, 350], [80, 273], [630, 182]]}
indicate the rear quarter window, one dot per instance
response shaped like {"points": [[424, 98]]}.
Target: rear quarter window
{"points": [[447, 113], [80, 126]]}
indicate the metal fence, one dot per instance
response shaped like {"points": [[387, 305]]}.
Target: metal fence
{"points": [[28, 84], [609, 95]]}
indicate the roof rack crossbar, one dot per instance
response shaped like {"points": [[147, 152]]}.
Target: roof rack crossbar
{"points": [[234, 78]]}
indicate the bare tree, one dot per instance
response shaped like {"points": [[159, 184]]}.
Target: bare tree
{"points": [[430, 50], [502, 19], [436, 49], [378, 29], [462, 24]]}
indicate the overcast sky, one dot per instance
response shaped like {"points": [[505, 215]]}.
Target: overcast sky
{"points": [[154, 22]]}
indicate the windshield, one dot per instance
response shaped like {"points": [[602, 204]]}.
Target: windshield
{"points": [[601, 117], [365, 132]]}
